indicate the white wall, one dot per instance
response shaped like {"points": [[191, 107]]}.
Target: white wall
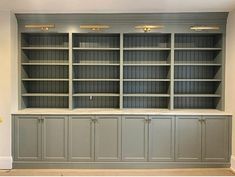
{"points": [[230, 75], [7, 84]]}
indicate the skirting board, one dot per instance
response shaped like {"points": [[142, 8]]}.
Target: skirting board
{"points": [[233, 163], [123, 165], [5, 163]]}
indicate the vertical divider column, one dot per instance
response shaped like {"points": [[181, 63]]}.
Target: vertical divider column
{"points": [[121, 71], [172, 71], [70, 71], [223, 62]]}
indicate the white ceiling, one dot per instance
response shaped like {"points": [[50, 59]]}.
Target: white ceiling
{"points": [[116, 6]]}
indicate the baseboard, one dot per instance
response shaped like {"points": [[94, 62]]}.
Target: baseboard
{"points": [[233, 163], [115, 165], [5, 163]]}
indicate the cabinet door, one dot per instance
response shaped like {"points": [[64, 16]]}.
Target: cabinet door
{"points": [[55, 138], [107, 138], [134, 138], [81, 138], [188, 138], [215, 138], [27, 138], [161, 138]]}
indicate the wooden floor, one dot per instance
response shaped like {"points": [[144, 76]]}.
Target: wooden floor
{"points": [[119, 172]]}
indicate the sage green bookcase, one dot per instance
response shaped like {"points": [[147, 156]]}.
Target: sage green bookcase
{"points": [[122, 70]]}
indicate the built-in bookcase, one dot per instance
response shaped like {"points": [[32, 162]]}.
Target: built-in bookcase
{"points": [[44, 70], [198, 71], [96, 70], [130, 70], [146, 70]]}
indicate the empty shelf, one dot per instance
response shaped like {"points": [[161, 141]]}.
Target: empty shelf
{"points": [[147, 48], [44, 79], [96, 64], [197, 95], [198, 48], [95, 79], [152, 80], [44, 48], [197, 64], [146, 64], [199, 80], [147, 95], [52, 64], [45, 94], [95, 94], [95, 48]]}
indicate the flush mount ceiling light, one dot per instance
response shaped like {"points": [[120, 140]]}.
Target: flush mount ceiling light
{"points": [[204, 28], [43, 27], [148, 28], [94, 27]]}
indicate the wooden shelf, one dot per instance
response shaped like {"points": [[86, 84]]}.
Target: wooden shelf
{"points": [[197, 95], [44, 79], [146, 64], [146, 95], [96, 94], [96, 79], [46, 64], [44, 48], [198, 80], [147, 80], [96, 64], [147, 48], [95, 48], [198, 48], [45, 94], [197, 64]]}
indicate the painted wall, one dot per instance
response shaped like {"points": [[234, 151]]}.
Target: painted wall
{"points": [[8, 71], [230, 74]]}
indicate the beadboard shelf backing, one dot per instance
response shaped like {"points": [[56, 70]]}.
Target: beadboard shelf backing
{"points": [[45, 68], [122, 70]]}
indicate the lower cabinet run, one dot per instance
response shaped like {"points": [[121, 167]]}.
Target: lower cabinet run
{"points": [[197, 140]]}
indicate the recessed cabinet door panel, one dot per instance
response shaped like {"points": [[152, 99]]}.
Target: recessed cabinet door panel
{"points": [[215, 139], [81, 142], [134, 138], [161, 138], [107, 138], [188, 139], [55, 138], [27, 135]]}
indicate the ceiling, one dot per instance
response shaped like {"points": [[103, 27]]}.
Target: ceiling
{"points": [[116, 6]]}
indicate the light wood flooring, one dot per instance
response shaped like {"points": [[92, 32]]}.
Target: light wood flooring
{"points": [[119, 172]]}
